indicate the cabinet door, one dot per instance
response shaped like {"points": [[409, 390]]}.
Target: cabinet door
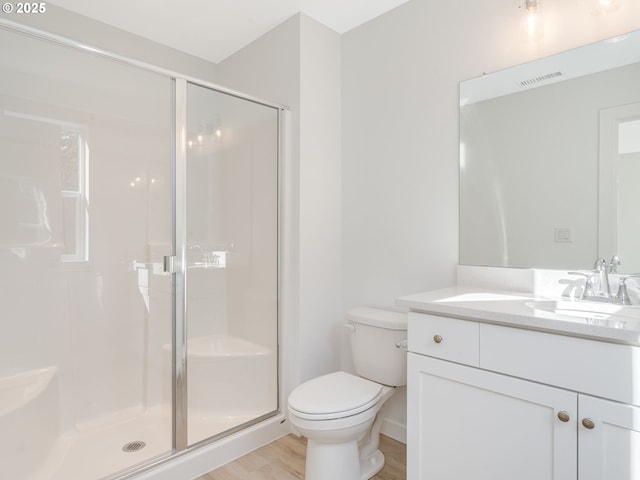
{"points": [[608, 439], [466, 423]]}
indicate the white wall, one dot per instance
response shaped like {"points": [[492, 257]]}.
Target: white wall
{"points": [[320, 200], [400, 75]]}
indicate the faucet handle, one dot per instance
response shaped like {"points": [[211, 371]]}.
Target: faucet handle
{"points": [[588, 283], [622, 296], [614, 264]]}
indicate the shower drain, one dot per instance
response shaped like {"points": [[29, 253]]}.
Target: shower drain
{"points": [[134, 446]]}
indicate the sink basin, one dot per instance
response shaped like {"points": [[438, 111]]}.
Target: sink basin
{"points": [[586, 310]]}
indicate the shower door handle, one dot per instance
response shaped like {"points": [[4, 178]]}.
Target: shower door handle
{"points": [[169, 264]]}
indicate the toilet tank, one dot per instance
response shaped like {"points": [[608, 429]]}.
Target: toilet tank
{"points": [[373, 345]]}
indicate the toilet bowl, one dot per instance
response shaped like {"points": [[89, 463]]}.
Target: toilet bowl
{"points": [[341, 414]]}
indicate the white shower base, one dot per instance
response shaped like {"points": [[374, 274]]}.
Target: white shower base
{"points": [[231, 382], [229, 386], [96, 452]]}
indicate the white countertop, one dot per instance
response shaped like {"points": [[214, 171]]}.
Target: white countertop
{"points": [[598, 321]]}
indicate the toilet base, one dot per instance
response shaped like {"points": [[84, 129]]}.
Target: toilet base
{"points": [[372, 465], [332, 461], [340, 461]]}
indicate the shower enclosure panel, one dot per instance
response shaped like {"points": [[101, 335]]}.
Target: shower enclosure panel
{"points": [[232, 259], [85, 221]]}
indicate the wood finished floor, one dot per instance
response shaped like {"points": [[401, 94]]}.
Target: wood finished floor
{"points": [[284, 460]]}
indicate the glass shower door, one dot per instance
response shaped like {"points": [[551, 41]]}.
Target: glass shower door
{"points": [[232, 259], [85, 221]]}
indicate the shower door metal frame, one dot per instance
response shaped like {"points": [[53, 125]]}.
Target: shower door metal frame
{"points": [[176, 263], [179, 385]]}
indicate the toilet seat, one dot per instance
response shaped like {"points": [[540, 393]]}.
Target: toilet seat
{"points": [[333, 396]]}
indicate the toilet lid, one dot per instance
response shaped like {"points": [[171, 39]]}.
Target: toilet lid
{"points": [[336, 395]]}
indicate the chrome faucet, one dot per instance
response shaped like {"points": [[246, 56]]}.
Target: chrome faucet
{"points": [[597, 286]]}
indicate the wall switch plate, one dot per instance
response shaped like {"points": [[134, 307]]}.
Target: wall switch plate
{"points": [[563, 235]]}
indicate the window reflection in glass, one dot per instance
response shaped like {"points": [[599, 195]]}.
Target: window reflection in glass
{"points": [[73, 181]]}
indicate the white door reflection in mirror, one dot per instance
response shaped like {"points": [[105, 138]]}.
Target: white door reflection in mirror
{"points": [[619, 194]]}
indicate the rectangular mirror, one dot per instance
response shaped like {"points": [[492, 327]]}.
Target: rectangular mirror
{"points": [[550, 160]]}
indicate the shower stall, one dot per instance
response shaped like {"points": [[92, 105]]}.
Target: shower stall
{"points": [[139, 262]]}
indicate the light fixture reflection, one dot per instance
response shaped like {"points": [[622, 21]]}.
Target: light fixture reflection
{"points": [[533, 22], [141, 181]]}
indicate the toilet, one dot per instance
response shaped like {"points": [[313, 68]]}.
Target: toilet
{"points": [[341, 414]]}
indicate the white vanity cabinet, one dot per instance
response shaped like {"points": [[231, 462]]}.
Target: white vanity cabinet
{"points": [[611, 448], [501, 403], [467, 423]]}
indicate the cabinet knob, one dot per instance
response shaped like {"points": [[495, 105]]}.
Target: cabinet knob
{"points": [[588, 423], [563, 416], [437, 338]]}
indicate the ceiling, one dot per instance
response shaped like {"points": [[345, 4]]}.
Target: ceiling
{"points": [[215, 29]]}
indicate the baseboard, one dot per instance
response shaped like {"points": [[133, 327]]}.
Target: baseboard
{"points": [[395, 430]]}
